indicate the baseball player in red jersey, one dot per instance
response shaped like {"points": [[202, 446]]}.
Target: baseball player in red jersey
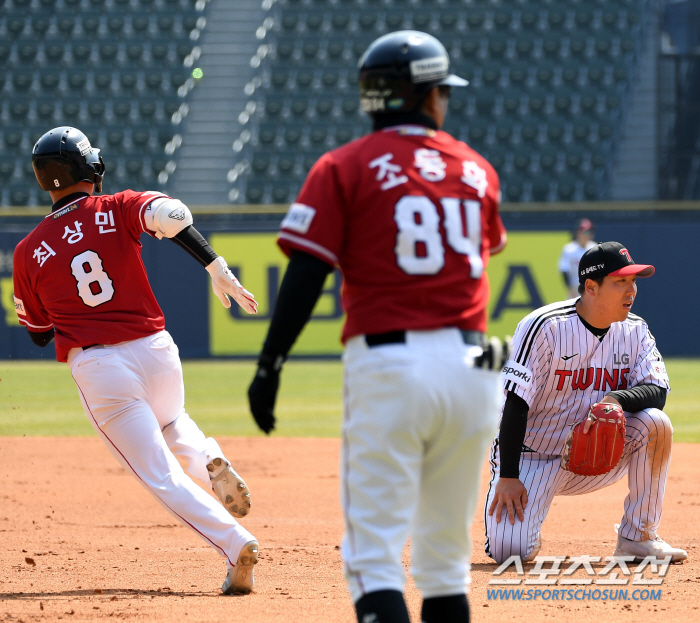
{"points": [[79, 278], [410, 216], [566, 357]]}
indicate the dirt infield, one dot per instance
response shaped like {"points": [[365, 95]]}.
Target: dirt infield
{"points": [[82, 541]]}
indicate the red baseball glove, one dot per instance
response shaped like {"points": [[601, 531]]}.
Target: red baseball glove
{"points": [[594, 446]]}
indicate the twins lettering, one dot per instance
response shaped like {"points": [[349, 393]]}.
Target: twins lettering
{"points": [[600, 378]]}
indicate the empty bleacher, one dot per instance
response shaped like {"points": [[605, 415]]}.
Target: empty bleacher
{"points": [[549, 86], [113, 68]]}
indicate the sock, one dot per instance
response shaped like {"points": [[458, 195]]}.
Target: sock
{"points": [[449, 609], [382, 607]]}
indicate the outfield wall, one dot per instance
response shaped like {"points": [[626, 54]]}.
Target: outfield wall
{"points": [[523, 277]]}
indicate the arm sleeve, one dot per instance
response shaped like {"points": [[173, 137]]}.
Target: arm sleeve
{"points": [[647, 396], [195, 244], [42, 338], [301, 286], [512, 435]]}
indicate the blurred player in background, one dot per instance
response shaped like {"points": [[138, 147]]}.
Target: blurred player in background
{"points": [[410, 215], [572, 253], [79, 278]]}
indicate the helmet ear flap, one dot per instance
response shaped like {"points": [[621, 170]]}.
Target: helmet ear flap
{"points": [[99, 174]]}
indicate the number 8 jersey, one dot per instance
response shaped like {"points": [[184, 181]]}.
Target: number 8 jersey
{"points": [[410, 215], [80, 272]]}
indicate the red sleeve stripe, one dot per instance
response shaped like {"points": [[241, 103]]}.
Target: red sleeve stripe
{"points": [[312, 246]]}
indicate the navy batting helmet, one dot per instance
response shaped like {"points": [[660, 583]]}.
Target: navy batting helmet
{"points": [[63, 157], [397, 71]]}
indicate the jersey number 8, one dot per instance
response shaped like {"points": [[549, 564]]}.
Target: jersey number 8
{"points": [[418, 221], [95, 275]]}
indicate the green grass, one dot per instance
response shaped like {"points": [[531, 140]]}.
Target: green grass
{"points": [[40, 398]]}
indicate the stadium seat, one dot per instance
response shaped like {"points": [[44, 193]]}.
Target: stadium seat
{"points": [[160, 48], [561, 102], [54, 50], [27, 49], [45, 108], [279, 78], [153, 80], [595, 72], [314, 20], [70, 112], [334, 51], [603, 45], [15, 22], [134, 52], [588, 102], [299, 106], [502, 19], [140, 23], [503, 130], [477, 131], [350, 107], [81, 51], [498, 44], [115, 23], [491, 73], [324, 106], [90, 21], [470, 44], [102, 81], [511, 101], [65, 22], [7, 166], [556, 16], [581, 129], [96, 109], [147, 108], [476, 19], [22, 80], [141, 137], [286, 161], [267, 134], [583, 18], [165, 23], [570, 73], [556, 131], [566, 187], [548, 157], [578, 45], [121, 108], [524, 45], [529, 17], [496, 155], [255, 191], [522, 159], [128, 81], [551, 45], [449, 20], [518, 73], [573, 158], [537, 101], [40, 24], [280, 191], [340, 20], [49, 79], [260, 164], [107, 51], [485, 101], [274, 105], [591, 188], [540, 187], [344, 133], [12, 137], [309, 50], [513, 186], [529, 129], [292, 135], [606, 129], [18, 195], [18, 108]]}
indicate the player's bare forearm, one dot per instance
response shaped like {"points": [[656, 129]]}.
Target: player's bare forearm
{"points": [[510, 495]]}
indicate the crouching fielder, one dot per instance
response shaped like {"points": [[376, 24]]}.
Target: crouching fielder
{"points": [[79, 278], [566, 357]]}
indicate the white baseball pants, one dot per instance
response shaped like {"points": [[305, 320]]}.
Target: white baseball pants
{"points": [[133, 394], [418, 418], [646, 459]]}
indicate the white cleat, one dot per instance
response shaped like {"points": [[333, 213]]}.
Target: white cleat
{"points": [[240, 579], [656, 547], [230, 488], [535, 550]]}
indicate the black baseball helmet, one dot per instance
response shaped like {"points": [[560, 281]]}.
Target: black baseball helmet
{"points": [[63, 157], [398, 69]]}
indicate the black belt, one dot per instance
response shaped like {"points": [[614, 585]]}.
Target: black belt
{"points": [[91, 346], [399, 337]]}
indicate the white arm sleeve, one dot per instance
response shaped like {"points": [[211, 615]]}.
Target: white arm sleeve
{"points": [[167, 217]]}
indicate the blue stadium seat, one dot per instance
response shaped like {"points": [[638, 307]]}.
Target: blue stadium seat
{"points": [[286, 162], [502, 19], [581, 129], [49, 79], [40, 24], [18, 108], [470, 45], [498, 44], [81, 52], [522, 159], [121, 108], [556, 131], [562, 101], [65, 22], [566, 187], [496, 155], [18, 195], [148, 107], [583, 18], [537, 101], [513, 187], [255, 191], [503, 130], [551, 45], [511, 100], [573, 159], [540, 187], [15, 22], [324, 106], [90, 21], [27, 49], [153, 79], [281, 192], [260, 164], [548, 157], [54, 50], [292, 135], [524, 45], [274, 105], [141, 137], [70, 112], [96, 109], [529, 129], [556, 16], [578, 44], [7, 166], [529, 17], [22, 80], [45, 108], [108, 49], [134, 52], [299, 106]]}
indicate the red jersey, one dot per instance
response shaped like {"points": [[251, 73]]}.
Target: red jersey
{"points": [[80, 271], [410, 215]]}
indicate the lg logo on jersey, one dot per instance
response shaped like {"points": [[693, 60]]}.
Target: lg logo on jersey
{"points": [[623, 360]]}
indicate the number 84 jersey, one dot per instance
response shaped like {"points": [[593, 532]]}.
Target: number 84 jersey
{"points": [[410, 215], [80, 272]]}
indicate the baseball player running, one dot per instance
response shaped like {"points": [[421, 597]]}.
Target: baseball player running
{"points": [[566, 357], [410, 215], [79, 278]]}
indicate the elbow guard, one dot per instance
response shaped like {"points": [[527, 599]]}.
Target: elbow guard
{"points": [[167, 217]]}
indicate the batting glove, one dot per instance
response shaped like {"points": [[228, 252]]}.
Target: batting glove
{"points": [[262, 392], [225, 284]]}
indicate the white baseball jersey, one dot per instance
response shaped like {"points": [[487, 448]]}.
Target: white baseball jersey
{"points": [[570, 256], [560, 369]]}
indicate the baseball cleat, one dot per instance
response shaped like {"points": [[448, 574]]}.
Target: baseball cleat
{"points": [[535, 550], [240, 579], [656, 547], [230, 488]]}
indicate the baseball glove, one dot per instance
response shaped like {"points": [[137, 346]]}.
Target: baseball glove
{"points": [[598, 450]]}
